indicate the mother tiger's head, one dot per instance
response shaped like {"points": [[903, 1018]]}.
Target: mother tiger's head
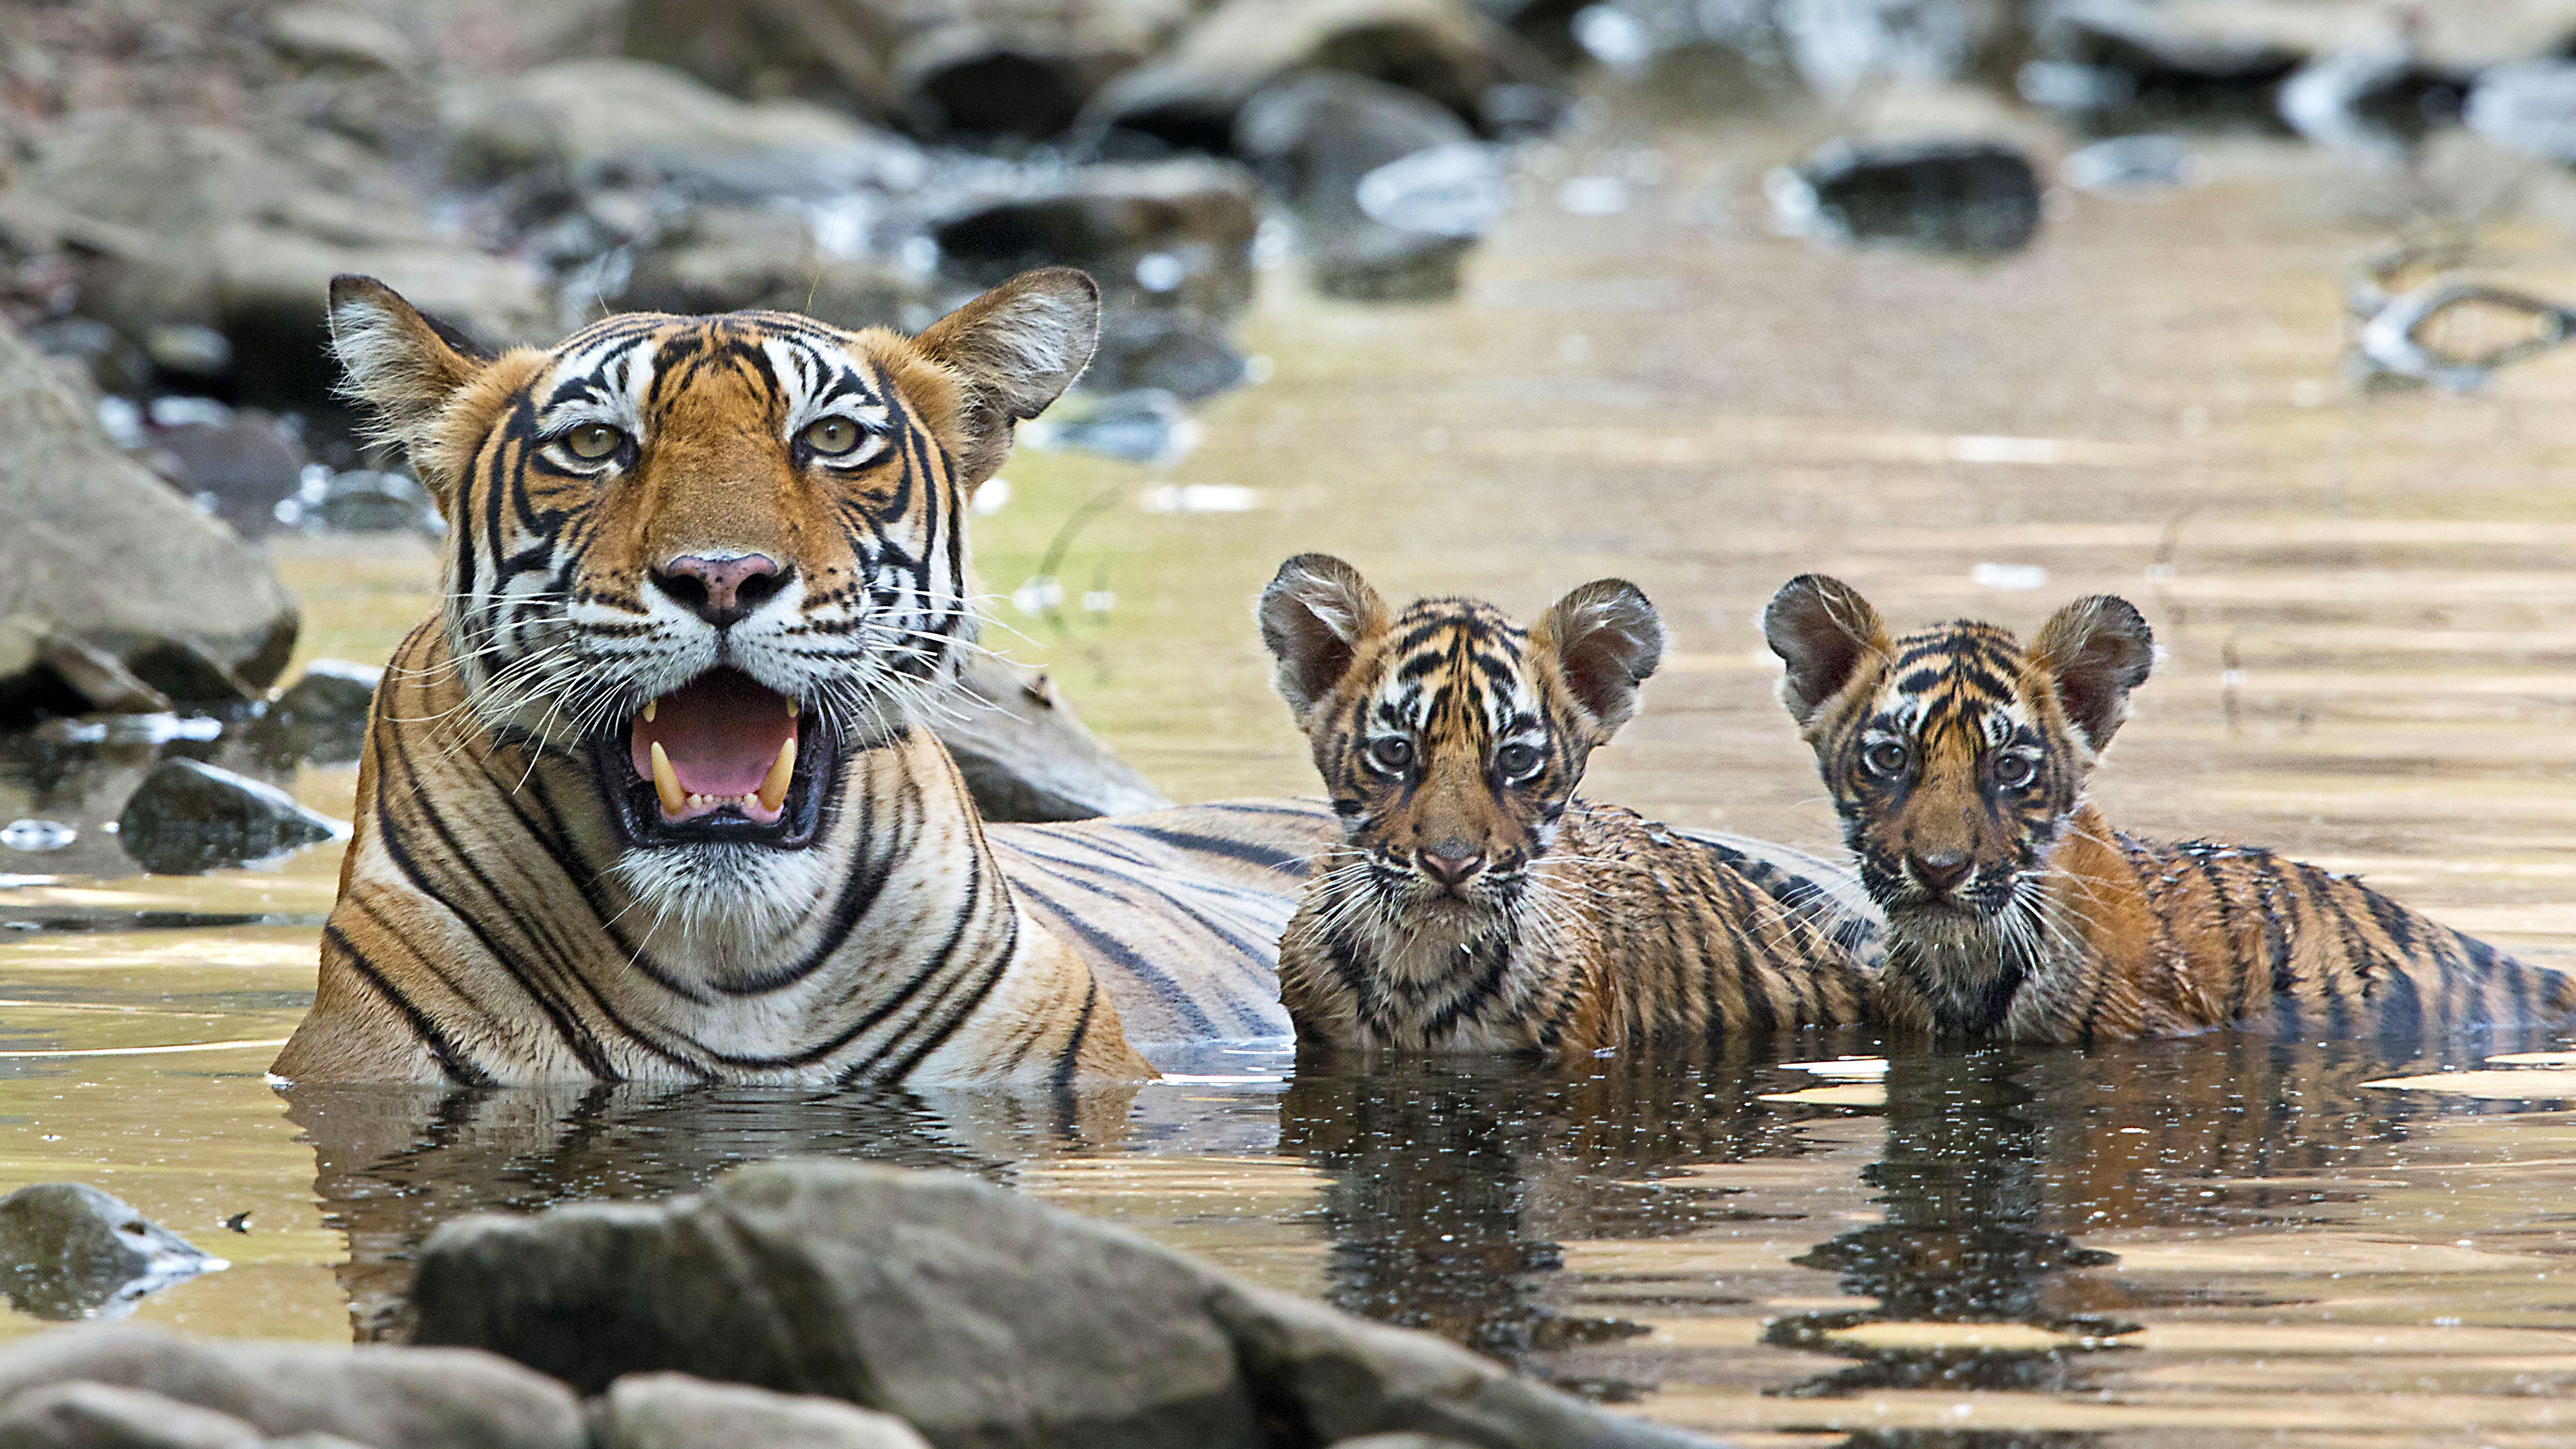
{"points": [[711, 556]]}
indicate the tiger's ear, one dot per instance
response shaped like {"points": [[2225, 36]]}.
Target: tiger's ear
{"points": [[1015, 349], [402, 364], [1607, 640], [1821, 627], [1314, 617], [2096, 650]]}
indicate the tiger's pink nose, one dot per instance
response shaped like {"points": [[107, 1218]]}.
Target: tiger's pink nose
{"points": [[722, 589], [1450, 870]]}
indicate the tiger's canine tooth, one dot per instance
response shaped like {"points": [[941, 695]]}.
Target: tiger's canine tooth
{"points": [[666, 782], [773, 790]]}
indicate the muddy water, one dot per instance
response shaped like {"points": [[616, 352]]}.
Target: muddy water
{"points": [[2372, 662]]}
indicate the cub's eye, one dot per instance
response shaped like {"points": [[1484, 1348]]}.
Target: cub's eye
{"points": [[1886, 757], [1517, 761], [1391, 753], [2014, 771], [832, 437], [592, 442]]}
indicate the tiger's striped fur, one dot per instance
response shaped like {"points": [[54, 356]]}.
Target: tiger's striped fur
{"points": [[519, 903], [1958, 762], [1475, 905]]}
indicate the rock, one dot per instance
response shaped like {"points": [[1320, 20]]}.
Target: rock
{"points": [[2133, 65], [727, 258], [2528, 107], [321, 717], [238, 466], [1319, 138], [1170, 243], [1145, 425], [606, 123], [1024, 69], [360, 500], [828, 51], [94, 542], [1401, 1441], [973, 1313], [1438, 49], [33, 836], [81, 1415], [68, 1250], [186, 225], [1973, 197], [380, 1397], [329, 35], [1841, 45], [45, 670], [189, 817], [2375, 106], [1027, 757], [675, 1411]]}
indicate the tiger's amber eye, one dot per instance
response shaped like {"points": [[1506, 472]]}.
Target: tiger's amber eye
{"points": [[832, 437], [591, 442]]}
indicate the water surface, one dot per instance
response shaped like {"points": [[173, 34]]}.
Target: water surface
{"points": [[2367, 609]]}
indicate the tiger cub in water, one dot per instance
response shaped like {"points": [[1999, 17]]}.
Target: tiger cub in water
{"points": [[1958, 759], [1475, 905]]}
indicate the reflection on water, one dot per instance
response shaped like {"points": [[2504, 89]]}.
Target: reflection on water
{"points": [[1970, 1236]]}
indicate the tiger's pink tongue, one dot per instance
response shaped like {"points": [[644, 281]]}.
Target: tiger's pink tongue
{"points": [[722, 732]]}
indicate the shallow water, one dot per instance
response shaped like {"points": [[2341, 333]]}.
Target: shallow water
{"points": [[2227, 1240]]}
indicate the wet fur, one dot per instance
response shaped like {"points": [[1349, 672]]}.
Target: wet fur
{"points": [[2064, 929], [1588, 929]]}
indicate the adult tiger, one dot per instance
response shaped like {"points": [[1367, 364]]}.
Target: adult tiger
{"points": [[1475, 905], [1958, 760], [645, 800]]}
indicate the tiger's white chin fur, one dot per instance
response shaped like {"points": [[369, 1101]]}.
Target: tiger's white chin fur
{"points": [[722, 903]]}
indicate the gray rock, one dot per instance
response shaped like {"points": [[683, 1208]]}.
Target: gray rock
{"points": [[83, 1415], [2130, 65], [1440, 49], [95, 543], [976, 1315], [189, 817], [727, 258], [1841, 45], [2374, 106], [68, 1250], [380, 1397], [609, 122], [1025, 754], [321, 34], [675, 1411], [1974, 197], [320, 717], [239, 465], [1318, 138], [1401, 1441], [202, 225], [45, 670]]}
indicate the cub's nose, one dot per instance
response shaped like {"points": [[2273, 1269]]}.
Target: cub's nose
{"points": [[1941, 873], [722, 589], [1450, 870]]}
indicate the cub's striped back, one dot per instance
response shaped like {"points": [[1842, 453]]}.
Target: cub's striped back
{"points": [[1958, 759]]}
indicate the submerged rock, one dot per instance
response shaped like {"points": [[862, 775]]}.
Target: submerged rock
{"points": [[68, 1250], [235, 464], [2127, 64], [675, 1411], [1972, 197], [107, 553], [46, 670], [1320, 139], [2372, 105], [189, 817], [321, 717], [975, 1314], [379, 1397]]}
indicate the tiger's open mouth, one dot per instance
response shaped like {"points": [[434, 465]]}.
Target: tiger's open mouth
{"points": [[721, 758]]}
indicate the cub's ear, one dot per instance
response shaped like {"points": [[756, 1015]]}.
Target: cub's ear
{"points": [[2097, 650], [1015, 349], [1314, 617], [1821, 627], [1607, 640], [404, 365]]}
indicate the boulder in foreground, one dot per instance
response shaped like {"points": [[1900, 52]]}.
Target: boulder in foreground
{"points": [[980, 1317]]}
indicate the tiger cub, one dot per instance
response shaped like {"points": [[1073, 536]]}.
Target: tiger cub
{"points": [[1958, 759], [1475, 905]]}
